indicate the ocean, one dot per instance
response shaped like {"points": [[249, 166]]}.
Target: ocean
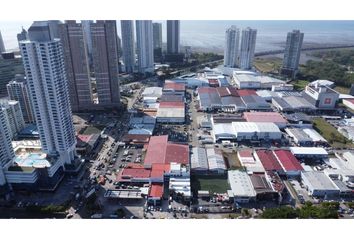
{"points": [[210, 34]]}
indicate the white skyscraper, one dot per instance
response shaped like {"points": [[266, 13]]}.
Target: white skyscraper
{"points": [[128, 45], [248, 45], [173, 36], [145, 48], [6, 150], [43, 62], [232, 40], [13, 115], [2, 45], [292, 52]]}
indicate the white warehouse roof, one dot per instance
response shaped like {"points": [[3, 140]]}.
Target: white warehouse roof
{"points": [[308, 151], [318, 180], [240, 183]]}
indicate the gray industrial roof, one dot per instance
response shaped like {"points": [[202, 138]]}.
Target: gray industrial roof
{"points": [[199, 158], [319, 180]]}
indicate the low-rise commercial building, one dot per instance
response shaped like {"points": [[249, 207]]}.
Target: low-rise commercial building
{"points": [[171, 112], [318, 184], [292, 104], [322, 97], [272, 117], [242, 190], [248, 161], [251, 80], [316, 153], [289, 163]]}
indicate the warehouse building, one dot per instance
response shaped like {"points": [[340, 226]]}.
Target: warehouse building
{"points": [[251, 80], [174, 88], [319, 184], [224, 131], [229, 99], [159, 150], [248, 161], [289, 163], [255, 102], [171, 112], [272, 117], [215, 160], [292, 104], [322, 97], [268, 160], [315, 153], [199, 160], [242, 190], [305, 136], [151, 94], [256, 131], [263, 188]]}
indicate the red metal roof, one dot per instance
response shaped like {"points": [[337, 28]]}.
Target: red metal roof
{"points": [[174, 86], [288, 160], [161, 151], [177, 153], [223, 91], [171, 105], [84, 138], [133, 171], [269, 161], [156, 191], [156, 151], [246, 92], [264, 117], [159, 169]]}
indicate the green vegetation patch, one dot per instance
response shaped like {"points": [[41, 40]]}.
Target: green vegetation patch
{"points": [[211, 183], [267, 65], [331, 134], [300, 85], [325, 210]]}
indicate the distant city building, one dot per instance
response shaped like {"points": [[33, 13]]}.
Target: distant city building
{"points": [[43, 60], [2, 45], [247, 47], [9, 67], [22, 35], [292, 53], [128, 45], [73, 40], [144, 37], [13, 115], [6, 150], [173, 36], [18, 90], [157, 40], [86, 25], [105, 62], [232, 40], [119, 42], [157, 29]]}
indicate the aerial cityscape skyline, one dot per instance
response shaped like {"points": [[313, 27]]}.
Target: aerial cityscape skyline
{"points": [[100, 121], [210, 34]]}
